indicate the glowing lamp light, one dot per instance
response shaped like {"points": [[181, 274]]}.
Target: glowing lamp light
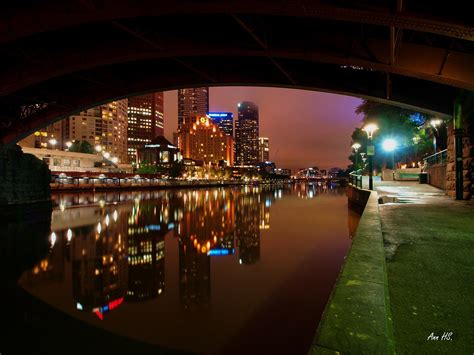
{"points": [[69, 235], [356, 146], [98, 148], [53, 141], [106, 155], [370, 129], [389, 145], [68, 144], [115, 160], [436, 122]]}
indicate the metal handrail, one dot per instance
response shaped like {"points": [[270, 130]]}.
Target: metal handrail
{"points": [[436, 159], [355, 178]]}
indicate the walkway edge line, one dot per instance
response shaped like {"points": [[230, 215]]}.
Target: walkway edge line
{"points": [[357, 317]]}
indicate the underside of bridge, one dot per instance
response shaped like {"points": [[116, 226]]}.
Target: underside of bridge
{"points": [[60, 57]]}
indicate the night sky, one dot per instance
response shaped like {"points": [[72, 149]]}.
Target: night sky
{"points": [[305, 128]]}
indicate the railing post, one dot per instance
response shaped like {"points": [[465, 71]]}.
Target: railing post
{"points": [[458, 133]]}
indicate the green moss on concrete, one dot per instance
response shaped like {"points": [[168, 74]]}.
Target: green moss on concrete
{"points": [[431, 274], [357, 318]]}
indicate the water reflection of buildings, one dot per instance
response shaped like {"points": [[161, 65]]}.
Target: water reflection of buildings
{"points": [[117, 250], [247, 230], [148, 224], [206, 229], [99, 264]]}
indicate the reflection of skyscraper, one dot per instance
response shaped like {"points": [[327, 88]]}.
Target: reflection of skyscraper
{"points": [[192, 102], [247, 230], [99, 264], [206, 227], [246, 134], [194, 276], [148, 224]]}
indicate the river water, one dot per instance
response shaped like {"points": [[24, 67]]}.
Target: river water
{"points": [[215, 270]]}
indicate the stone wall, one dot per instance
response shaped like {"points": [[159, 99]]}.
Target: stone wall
{"points": [[437, 176], [468, 152], [23, 178]]}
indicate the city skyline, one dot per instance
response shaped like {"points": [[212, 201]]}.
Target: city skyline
{"points": [[320, 144]]}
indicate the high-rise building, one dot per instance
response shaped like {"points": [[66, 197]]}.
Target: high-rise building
{"points": [[145, 121], [225, 121], [201, 139], [192, 102], [246, 134], [50, 137], [104, 125], [263, 149]]}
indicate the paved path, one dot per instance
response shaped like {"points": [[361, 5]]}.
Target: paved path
{"points": [[429, 245]]}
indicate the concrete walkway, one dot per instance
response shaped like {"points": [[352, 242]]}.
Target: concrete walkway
{"points": [[429, 246]]}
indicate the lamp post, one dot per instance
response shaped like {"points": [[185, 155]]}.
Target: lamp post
{"points": [[370, 129], [356, 147], [435, 123], [389, 145]]}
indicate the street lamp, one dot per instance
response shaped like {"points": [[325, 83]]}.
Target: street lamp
{"points": [[68, 145], [98, 148], [53, 142], [370, 129], [356, 147], [389, 145], [435, 123], [106, 155]]}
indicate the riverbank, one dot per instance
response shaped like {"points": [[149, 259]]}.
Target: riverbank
{"points": [[429, 244], [357, 317]]}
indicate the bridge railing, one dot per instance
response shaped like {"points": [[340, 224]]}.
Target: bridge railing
{"points": [[436, 159], [355, 178]]}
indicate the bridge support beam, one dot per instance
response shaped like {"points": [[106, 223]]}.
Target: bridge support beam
{"points": [[24, 179], [460, 167]]}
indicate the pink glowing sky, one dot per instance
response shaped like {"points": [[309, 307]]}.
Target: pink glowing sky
{"points": [[305, 128]]}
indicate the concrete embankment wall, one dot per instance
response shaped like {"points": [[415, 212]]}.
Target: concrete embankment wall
{"points": [[357, 318], [23, 178], [437, 176]]}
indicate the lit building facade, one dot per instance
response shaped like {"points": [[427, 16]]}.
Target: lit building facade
{"points": [[263, 149], [201, 139], [145, 121], [104, 125], [159, 152], [225, 121], [50, 137], [246, 134], [192, 102]]}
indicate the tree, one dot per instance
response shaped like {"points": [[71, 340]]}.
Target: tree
{"points": [[407, 127], [81, 147], [146, 168], [177, 169]]}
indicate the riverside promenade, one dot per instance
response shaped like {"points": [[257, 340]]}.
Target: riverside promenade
{"points": [[429, 248], [407, 284]]}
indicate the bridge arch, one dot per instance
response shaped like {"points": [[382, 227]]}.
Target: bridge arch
{"points": [[64, 56]]}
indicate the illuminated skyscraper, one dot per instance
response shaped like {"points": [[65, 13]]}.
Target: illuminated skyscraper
{"points": [[246, 134], [104, 125], [192, 102], [201, 139], [263, 149], [225, 121], [145, 121]]}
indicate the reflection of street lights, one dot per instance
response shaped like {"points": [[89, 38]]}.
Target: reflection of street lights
{"points": [[434, 123], [389, 145], [356, 147], [370, 129]]}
